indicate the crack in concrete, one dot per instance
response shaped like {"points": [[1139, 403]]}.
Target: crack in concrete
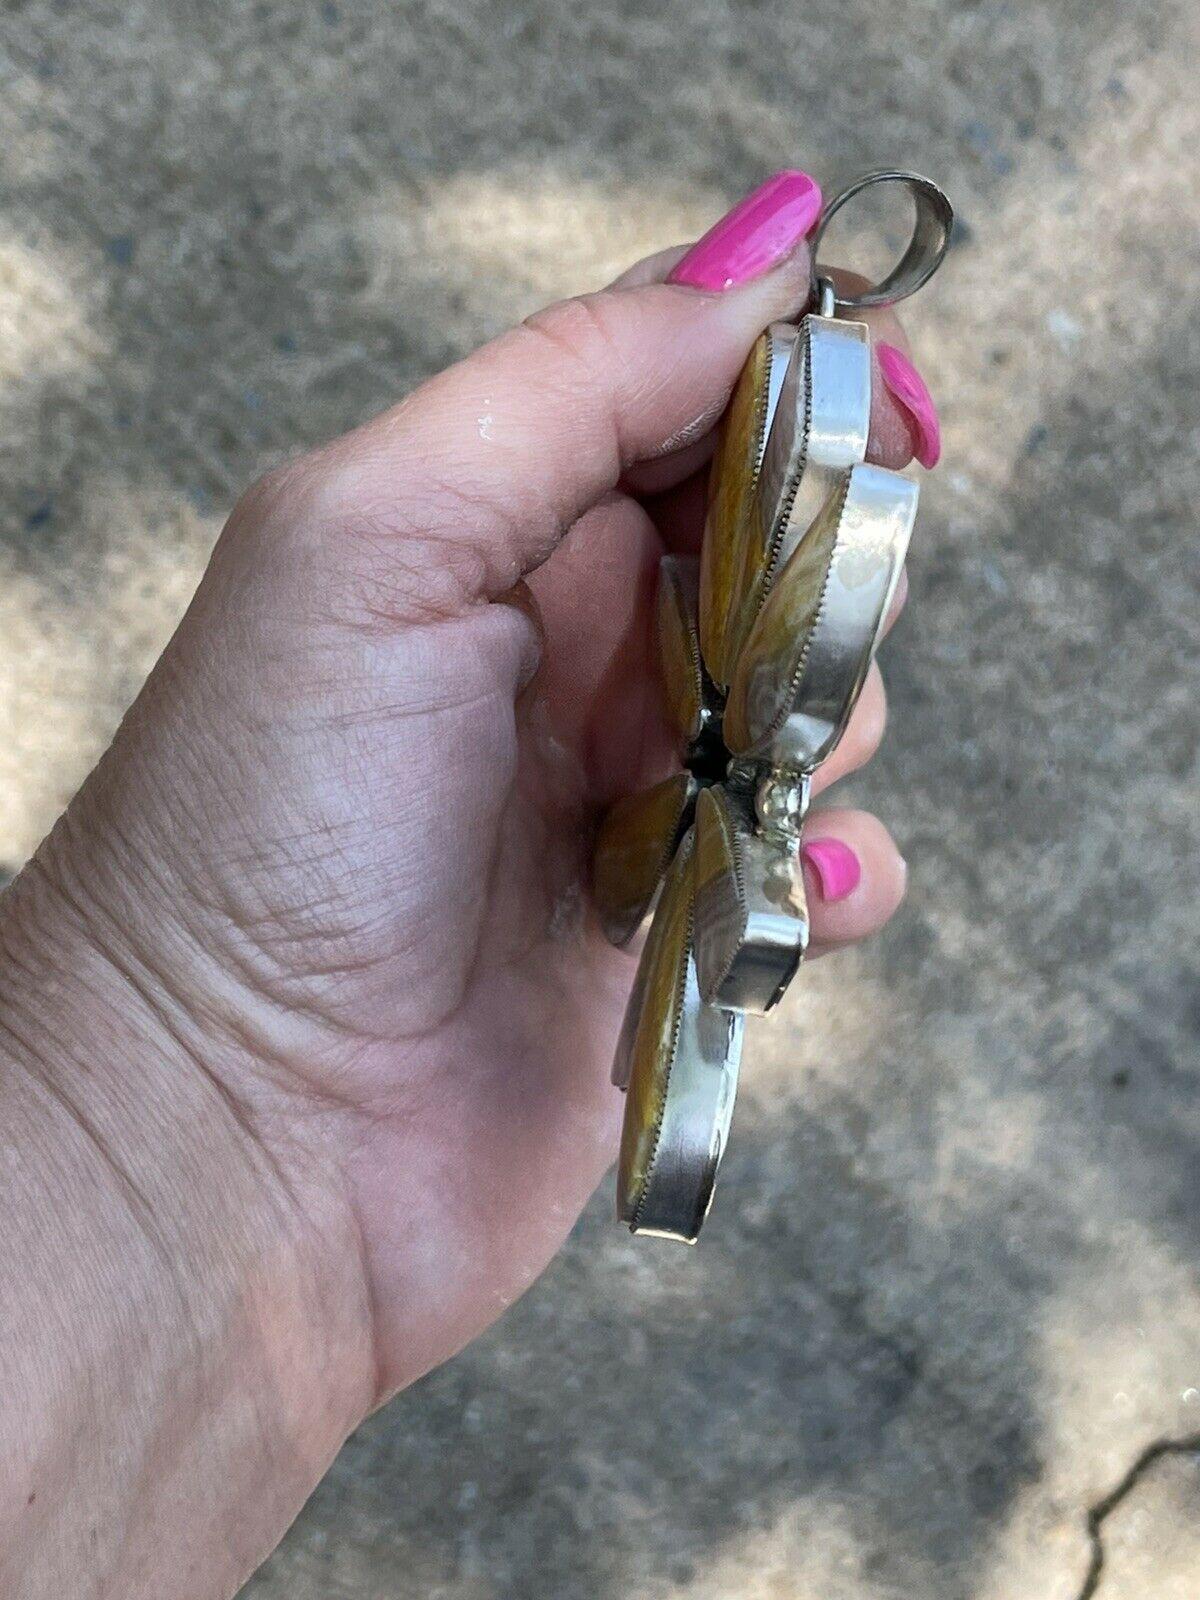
{"points": [[1187, 1444]]}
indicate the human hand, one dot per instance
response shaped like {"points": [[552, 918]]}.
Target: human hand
{"points": [[346, 825]]}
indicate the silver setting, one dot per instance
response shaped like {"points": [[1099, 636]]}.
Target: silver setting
{"points": [[819, 430], [697, 1112], [781, 803], [784, 337], [751, 915]]}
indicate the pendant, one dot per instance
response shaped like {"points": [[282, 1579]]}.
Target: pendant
{"points": [[764, 646]]}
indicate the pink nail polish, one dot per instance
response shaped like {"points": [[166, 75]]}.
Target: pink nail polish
{"points": [[907, 386], [834, 866], [757, 234]]}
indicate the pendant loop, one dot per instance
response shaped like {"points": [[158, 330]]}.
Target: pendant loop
{"points": [[825, 300], [926, 249]]}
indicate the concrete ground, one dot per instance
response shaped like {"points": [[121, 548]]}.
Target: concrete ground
{"points": [[942, 1337]]}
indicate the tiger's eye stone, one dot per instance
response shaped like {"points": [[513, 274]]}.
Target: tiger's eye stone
{"points": [[817, 430], [720, 909], [764, 683], [633, 849], [731, 481], [678, 643], [660, 986], [781, 467]]}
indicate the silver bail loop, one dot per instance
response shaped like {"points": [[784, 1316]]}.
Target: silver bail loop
{"points": [[924, 254], [825, 300]]}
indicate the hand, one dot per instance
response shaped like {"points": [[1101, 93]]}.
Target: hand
{"points": [[343, 834]]}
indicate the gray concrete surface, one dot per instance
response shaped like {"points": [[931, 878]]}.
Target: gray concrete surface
{"points": [[949, 1294]]}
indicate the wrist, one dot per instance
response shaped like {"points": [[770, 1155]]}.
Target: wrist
{"points": [[201, 1311]]}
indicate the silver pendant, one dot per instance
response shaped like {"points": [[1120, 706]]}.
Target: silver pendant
{"points": [[765, 645]]}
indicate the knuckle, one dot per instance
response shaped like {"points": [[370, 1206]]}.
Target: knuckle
{"points": [[579, 329], [378, 556], [286, 500], [373, 551], [403, 575], [582, 370]]}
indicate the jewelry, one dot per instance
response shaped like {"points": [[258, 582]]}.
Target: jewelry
{"points": [[765, 644]]}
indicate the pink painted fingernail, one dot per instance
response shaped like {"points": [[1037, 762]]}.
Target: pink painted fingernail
{"points": [[907, 386], [834, 866], [758, 233]]}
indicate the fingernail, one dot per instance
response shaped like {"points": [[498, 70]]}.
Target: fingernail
{"points": [[757, 234], [907, 386], [834, 867]]}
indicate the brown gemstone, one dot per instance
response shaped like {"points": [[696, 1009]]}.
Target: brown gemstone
{"points": [[730, 490], [679, 645], [662, 975], [633, 849]]}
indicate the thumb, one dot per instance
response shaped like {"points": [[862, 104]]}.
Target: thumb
{"points": [[478, 474]]}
